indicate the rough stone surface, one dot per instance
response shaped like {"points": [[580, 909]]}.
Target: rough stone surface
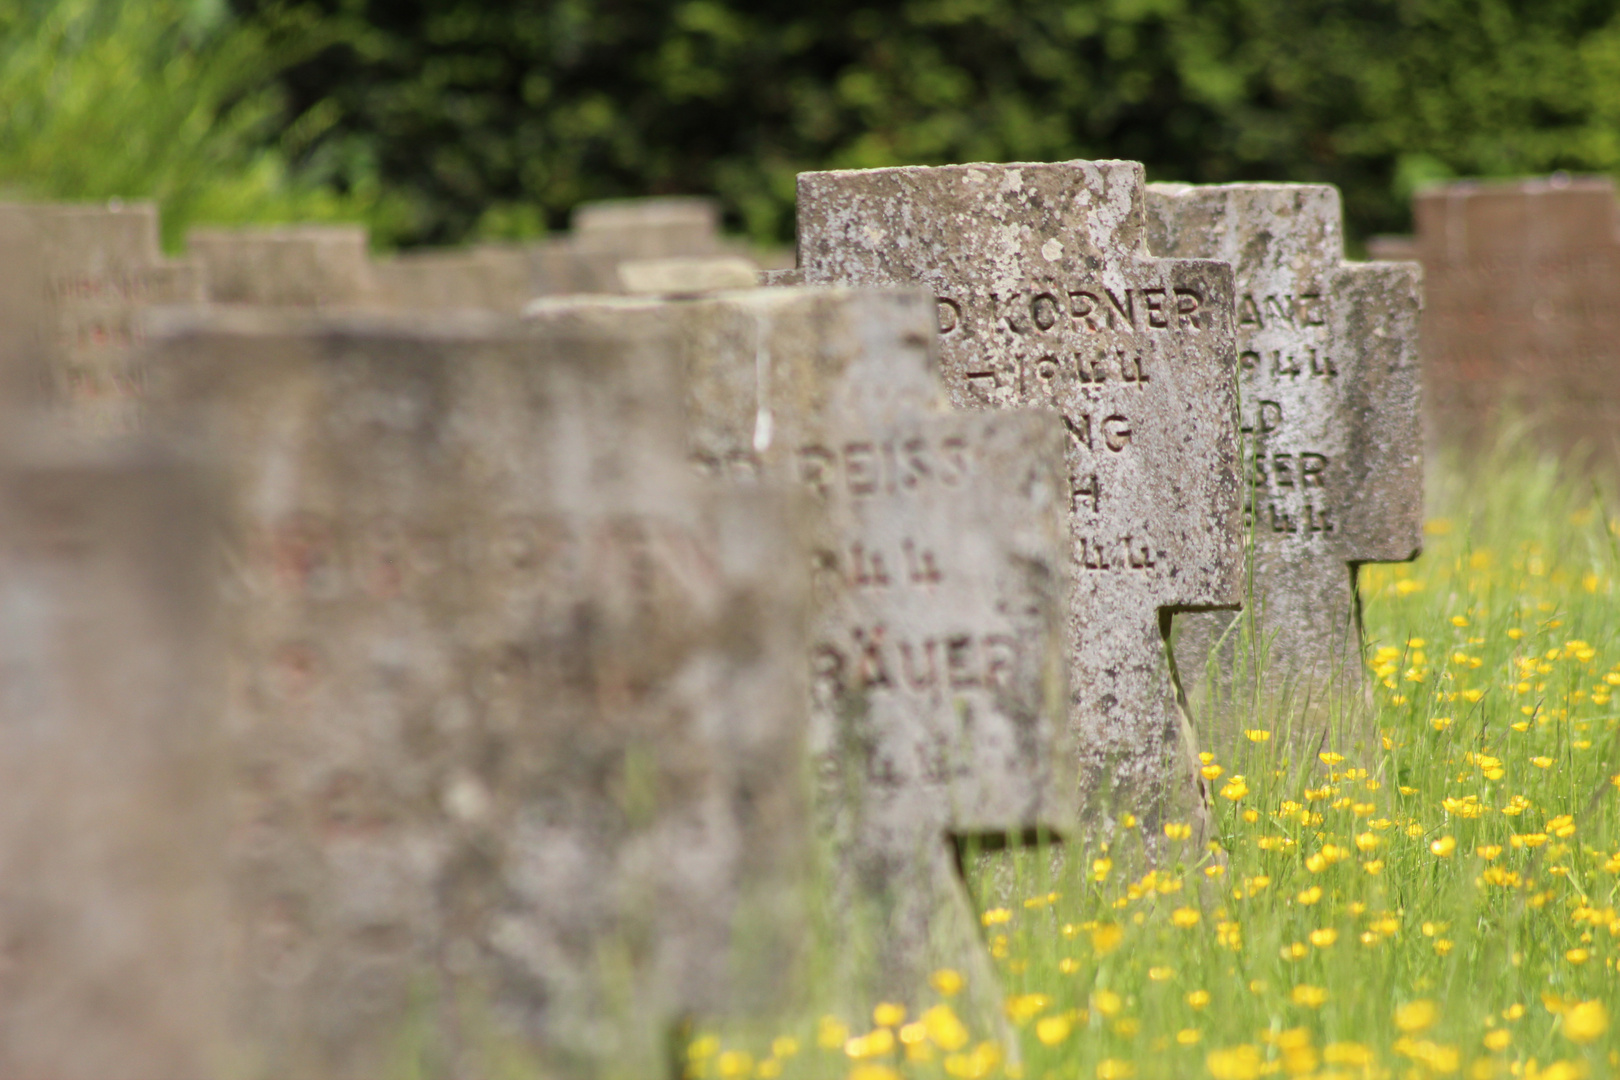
{"points": [[487, 277], [687, 276], [606, 234], [101, 267], [111, 911], [518, 707], [938, 644], [1046, 294], [1330, 387], [1521, 312], [307, 266]]}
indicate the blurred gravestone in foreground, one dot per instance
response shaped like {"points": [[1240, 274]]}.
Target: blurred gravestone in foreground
{"points": [[111, 778], [1521, 318], [518, 707], [1046, 294], [938, 646], [1330, 387]]}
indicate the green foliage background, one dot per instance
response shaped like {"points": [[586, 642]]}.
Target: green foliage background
{"points": [[494, 117], [443, 120]]}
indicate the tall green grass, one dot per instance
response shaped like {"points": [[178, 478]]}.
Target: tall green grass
{"points": [[1444, 907], [170, 100]]}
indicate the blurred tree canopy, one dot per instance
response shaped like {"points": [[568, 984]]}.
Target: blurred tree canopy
{"points": [[172, 100], [494, 117]]}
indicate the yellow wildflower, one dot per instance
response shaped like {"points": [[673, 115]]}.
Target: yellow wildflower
{"points": [[1585, 1022], [1198, 999], [1310, 896], [1235, 788], [888, 1014], [1107, 1002], [1259, 735], [873, 1044], [1051, 1030], [1188, 1036], [1106, 937], [1416, 1016], [944, 1029], [1022, 1008], [947, 982], [1444, 846], [1500, 1039], [1347, 1053], [1234, 1063], [1324, 937], [1176, 830], [1310, 997], [995, 916], [831, 1033], [1185, 917]]}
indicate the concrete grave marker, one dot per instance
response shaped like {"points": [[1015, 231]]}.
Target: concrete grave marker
{"points": [[1329, 380], [308, 266], [520, 705], [485, 277], [1046, 294], [938, 645], [101, 268], [1521, 317], [111, 771]]}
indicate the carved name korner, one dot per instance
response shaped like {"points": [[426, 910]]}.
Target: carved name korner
{"points": [[518, 701], [1046, 295], [1333, 474], [938, 571]]}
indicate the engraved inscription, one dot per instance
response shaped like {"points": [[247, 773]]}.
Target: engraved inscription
{"points": [[869, 658]]}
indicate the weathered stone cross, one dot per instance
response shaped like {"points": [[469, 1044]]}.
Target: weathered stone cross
{"points": [[1329, 376], [1046, 294], [937, 635]]}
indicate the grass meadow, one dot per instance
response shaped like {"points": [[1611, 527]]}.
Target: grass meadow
{"points": [[1443, 904]]}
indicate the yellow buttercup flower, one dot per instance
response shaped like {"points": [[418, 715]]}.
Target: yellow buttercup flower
{"points": [[946, 981], [1416, 1016], [1324, 937], [1500, 1039], [1259, 735], [1198, 999], [888, 1014], [1185, 917], [944, 1029], [1310, 896], [1235, 788], [1444, 846], [1235, 1063], [1051, 1030], [1586, 1022], [1310, 997]]}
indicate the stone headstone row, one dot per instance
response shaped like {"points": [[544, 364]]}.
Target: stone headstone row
{"points": [[1523, 285], [567, 661]]}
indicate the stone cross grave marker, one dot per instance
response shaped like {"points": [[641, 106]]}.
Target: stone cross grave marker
{"points": [[1330, 385], [307, 266], [485, 277], [101, 267], [1521, 315], [520, 707], [111, 770], [938, 644], [1046, 294]]}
